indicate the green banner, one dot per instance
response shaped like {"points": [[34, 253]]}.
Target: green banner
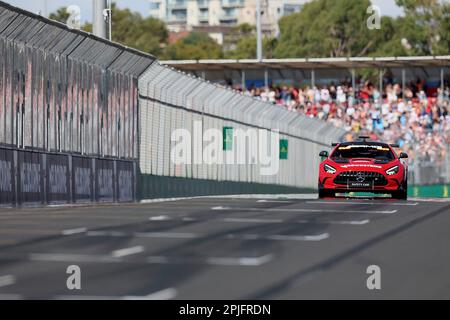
{"points": [[434, 191], [284, 144], [227, 138]]}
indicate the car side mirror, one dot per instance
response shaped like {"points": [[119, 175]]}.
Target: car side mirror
{"points": [[323, 154], [403, 155]]}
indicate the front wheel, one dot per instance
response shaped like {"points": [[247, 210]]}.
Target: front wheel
{"points": [[323, 193], [402, 193]]}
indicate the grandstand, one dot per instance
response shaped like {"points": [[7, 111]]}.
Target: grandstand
{"points": [[408, 105]]}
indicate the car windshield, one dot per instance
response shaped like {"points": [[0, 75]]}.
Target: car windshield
{"points": [[363, 151]]}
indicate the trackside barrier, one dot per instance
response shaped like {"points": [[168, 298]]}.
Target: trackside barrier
{"points": [[33, 178], [434, 191], [171, 100], [64, 90]]}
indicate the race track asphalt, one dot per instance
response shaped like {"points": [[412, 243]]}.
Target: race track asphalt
{"points": [[229, 248]]}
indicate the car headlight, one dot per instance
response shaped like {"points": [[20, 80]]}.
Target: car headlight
{"points": [[329, 169], [392, 170]]}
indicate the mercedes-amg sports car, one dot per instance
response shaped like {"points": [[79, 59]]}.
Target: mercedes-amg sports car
{"points": [[363, 166]]}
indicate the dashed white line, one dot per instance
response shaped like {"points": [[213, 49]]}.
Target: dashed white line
{"points": [[171, 235], [175, 235], [166, 294], [306, 211], [318, 237], [352, 222], [256, 220], [243, 261], [387, 203], [68, 232], [7, 280], [127, 251], [159, 218], [217, 261]]}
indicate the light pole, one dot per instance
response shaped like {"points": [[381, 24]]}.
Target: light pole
{"points": [[258, 31], [99, 22]]}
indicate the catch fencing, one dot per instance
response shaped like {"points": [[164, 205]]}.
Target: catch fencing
{"points": [[66, 91], [170, 100], [68, 100]]}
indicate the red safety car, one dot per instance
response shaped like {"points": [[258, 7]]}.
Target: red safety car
{"points": [[363, 166]]}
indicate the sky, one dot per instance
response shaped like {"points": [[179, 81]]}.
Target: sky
{"points": [[387, 7]]}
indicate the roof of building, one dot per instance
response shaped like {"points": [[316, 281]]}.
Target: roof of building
{"points": [[311, 63]]}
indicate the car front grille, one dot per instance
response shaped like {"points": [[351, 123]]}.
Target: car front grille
{"points": [[360, 176]]}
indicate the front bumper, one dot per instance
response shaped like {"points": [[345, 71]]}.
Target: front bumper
{"points": [[389, 183]]}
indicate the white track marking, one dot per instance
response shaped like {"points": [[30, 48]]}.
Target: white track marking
{"points": [[387, 203], [303, 210], [220, 208], [127, 251], [317, 237], [352, 222], [244, 261], [159, 218], [61, 257], [174, 235], [256, 220], [7, 280], [169, 235], [217, 261], [69, 232], [165, 294], [250, 220]]}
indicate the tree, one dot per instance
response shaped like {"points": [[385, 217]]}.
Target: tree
{"points": [[196, 45], [60, 15], [332, 28], [130, 29], [246, 48], [336, 28], [423, 30]]}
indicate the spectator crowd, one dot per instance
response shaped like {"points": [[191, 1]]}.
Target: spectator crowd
{"points": [[417, 121]]}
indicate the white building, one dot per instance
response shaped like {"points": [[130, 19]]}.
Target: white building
{"points": [[186, 14]]}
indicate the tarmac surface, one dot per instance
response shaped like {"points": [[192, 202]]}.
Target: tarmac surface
{"points": [[262, 247]]}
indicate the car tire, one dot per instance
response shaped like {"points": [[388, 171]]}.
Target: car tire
{"points": [[402, 193], [323, 193]]}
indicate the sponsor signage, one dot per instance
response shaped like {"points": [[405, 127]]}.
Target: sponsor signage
{"points": [[284, 146]]}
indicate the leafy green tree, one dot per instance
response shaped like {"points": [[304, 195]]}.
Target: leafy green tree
{"points": [[246, 48], [423, 30], [332, 28], [60, 15], [130, 28], [335, 28], [196, 45]]}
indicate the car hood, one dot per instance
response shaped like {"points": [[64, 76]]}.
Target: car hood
{"points": [[362, 164]]}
